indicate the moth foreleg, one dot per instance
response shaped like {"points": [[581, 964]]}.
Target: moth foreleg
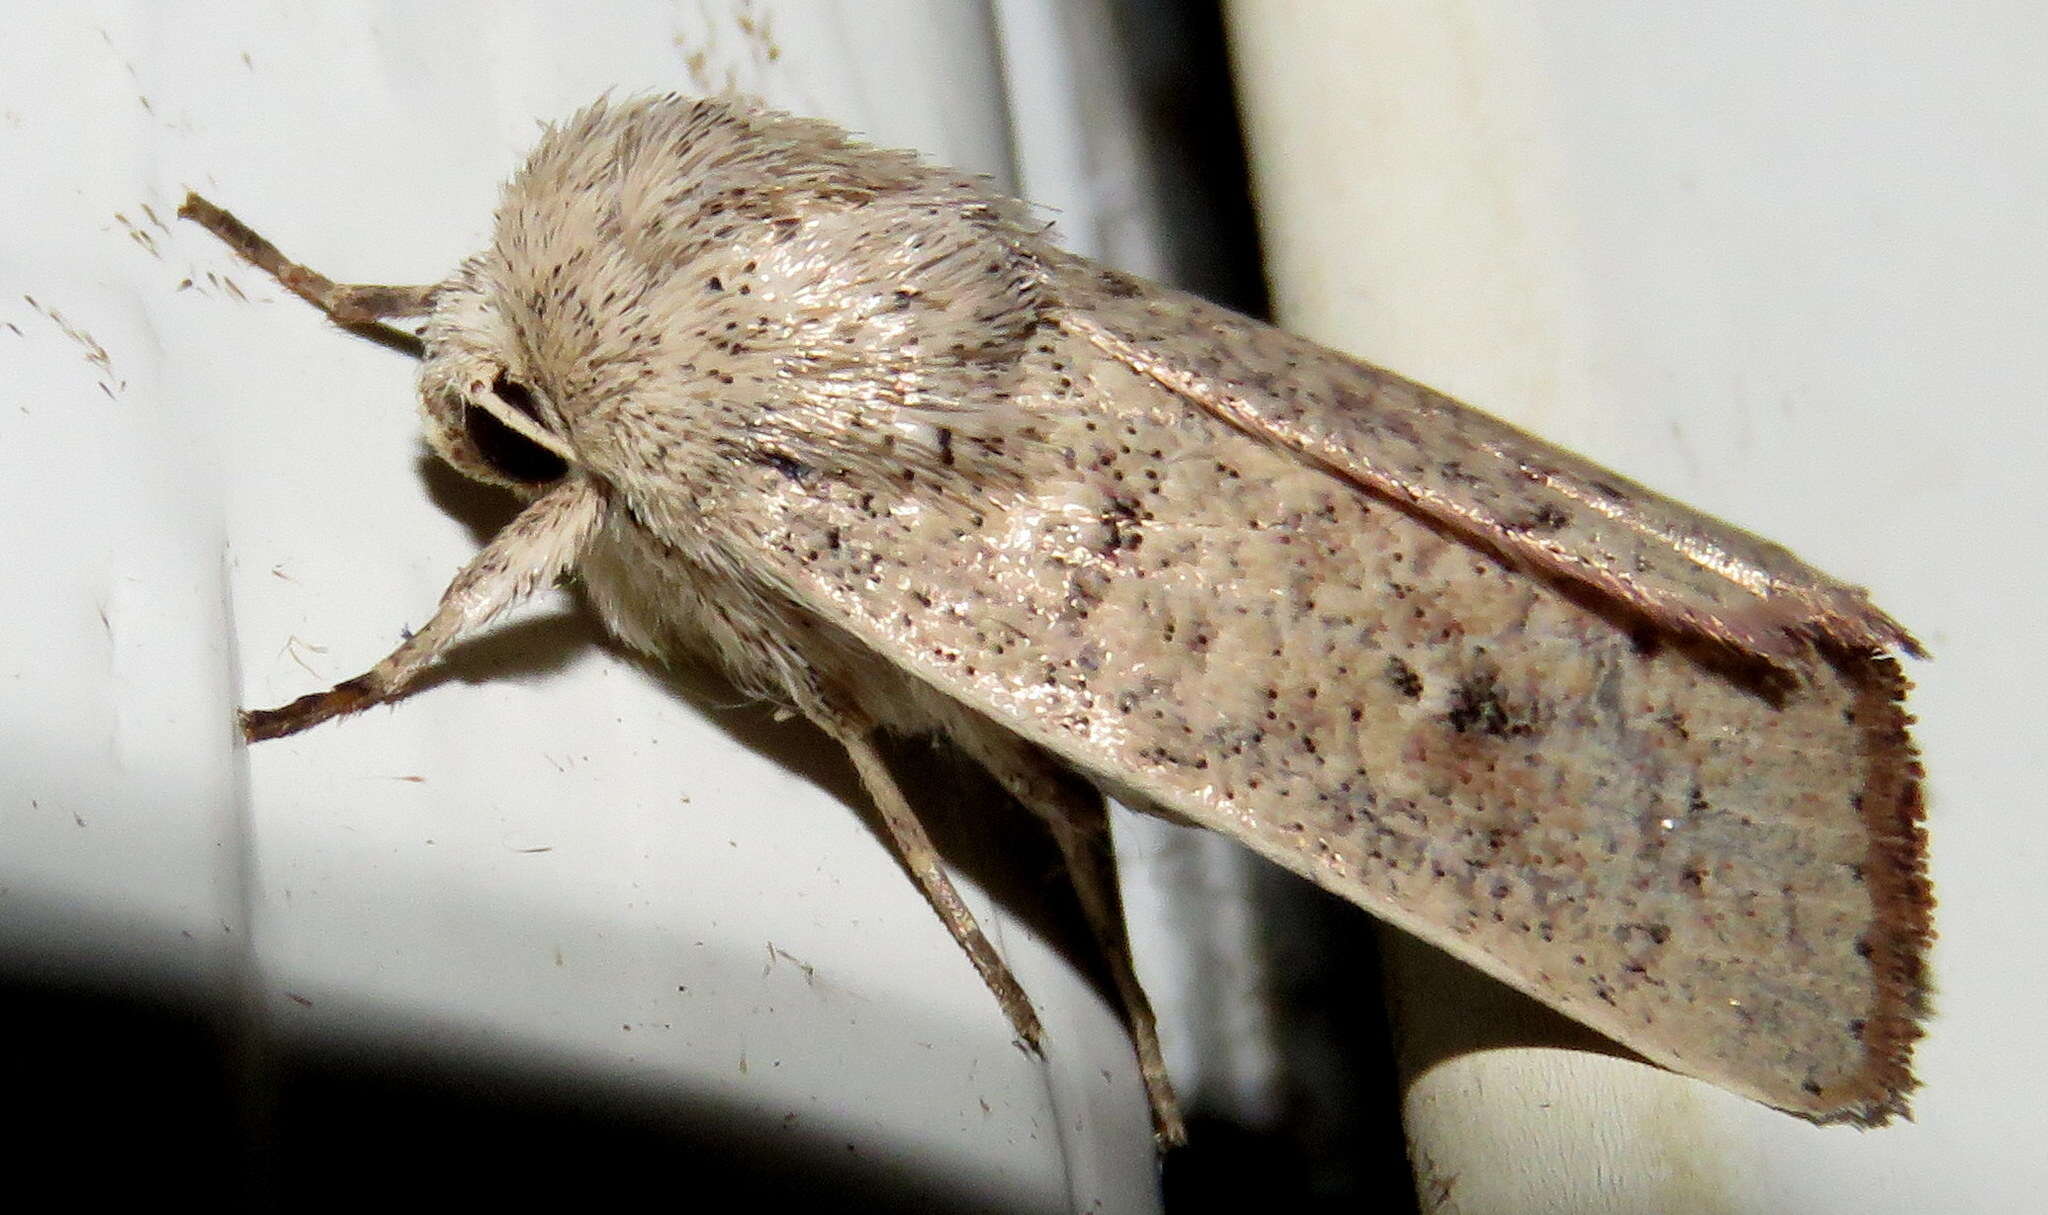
{"points": [[531, 552], [1079, 820], [345, 303], [914, 847]]}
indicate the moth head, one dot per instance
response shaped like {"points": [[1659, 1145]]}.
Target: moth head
{"points": [[486, 412], [680, 289]]}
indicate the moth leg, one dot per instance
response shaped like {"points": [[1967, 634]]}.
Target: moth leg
{"points": [[1079, 820], [344, 303], [531, 552], [907, 835]]}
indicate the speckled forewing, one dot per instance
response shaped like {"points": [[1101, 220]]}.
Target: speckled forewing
{"points": [[1719, 868], [1545, 509]]}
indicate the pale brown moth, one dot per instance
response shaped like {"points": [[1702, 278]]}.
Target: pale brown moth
{"points": [[849, 426]]}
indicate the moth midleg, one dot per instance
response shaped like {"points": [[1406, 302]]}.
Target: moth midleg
{"points": [[907, 835], [344, 303], [1079, 822], [531, 552]]}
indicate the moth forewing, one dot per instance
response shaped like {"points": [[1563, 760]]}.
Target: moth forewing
{"points": [[1716, 863], [848, 426], [1544, 509]]}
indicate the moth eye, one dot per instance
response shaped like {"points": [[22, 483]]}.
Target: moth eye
{"points": [[518, 396], [510, 454]]}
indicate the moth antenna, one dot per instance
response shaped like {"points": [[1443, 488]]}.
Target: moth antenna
{"points": [[352, 305]]}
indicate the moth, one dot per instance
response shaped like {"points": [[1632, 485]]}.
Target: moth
{"points": [[849, 426]]}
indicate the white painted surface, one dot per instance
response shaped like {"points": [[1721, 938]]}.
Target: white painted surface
{"points": [[556, 861], [1785, 262]]}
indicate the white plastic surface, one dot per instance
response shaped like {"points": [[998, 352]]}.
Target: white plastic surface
{"points": [[1785, 262], [555, 860]]}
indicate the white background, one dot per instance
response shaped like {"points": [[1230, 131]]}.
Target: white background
{"points": [[1787, 265]]}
